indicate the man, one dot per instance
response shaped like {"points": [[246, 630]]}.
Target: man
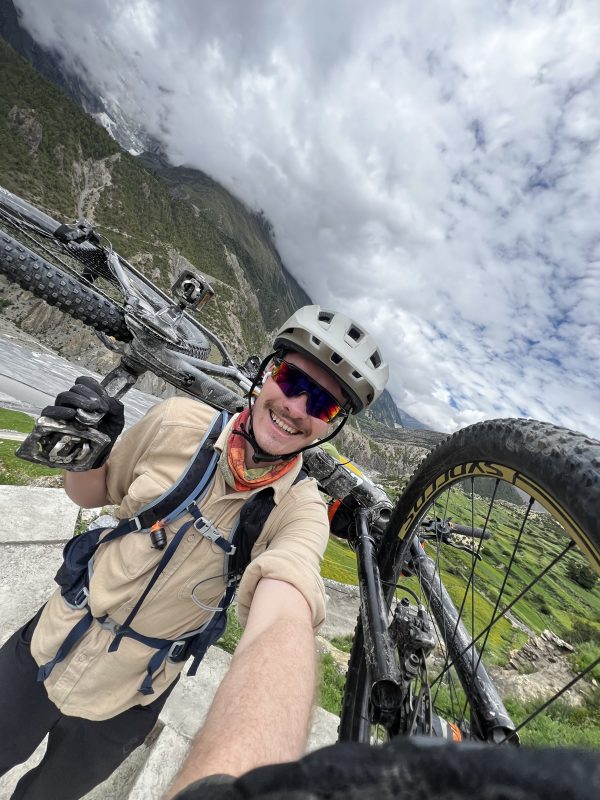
{"points": [[102, 691]]}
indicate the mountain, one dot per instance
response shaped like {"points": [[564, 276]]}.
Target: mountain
{"points": [[45, 62], [128, 134], [410, 422], [59, 158], [159, 216], [248, 233], [384, 410]]}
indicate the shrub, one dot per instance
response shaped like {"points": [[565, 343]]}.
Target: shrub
{"points": [[582, 574]]}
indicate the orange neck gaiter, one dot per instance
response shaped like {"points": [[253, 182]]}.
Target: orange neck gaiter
{"points": [[234, 469]]}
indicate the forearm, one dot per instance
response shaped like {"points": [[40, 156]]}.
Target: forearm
{"points": [[261, 712], [87, 489]]}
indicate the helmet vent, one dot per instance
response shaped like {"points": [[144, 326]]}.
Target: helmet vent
{"points": [[375, 359], [356, 375], [355, 333], [316, 341], [325, 316], [337, 359]]}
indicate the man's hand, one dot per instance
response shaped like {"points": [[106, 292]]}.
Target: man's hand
{"points": [[88, 395], [261, 712]]}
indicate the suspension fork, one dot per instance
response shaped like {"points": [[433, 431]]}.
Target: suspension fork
{"points": [[492, 721], [382, 662]]}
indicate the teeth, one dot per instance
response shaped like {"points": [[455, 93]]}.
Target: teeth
{"points": [[281, 424]]}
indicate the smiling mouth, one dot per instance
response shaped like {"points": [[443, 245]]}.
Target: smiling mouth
{"points": [[283, 425]]}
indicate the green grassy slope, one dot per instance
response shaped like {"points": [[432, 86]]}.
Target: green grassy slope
{"points": [[556, 602]]}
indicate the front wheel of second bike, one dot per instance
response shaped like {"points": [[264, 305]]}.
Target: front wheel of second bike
{"points": [[516, 616]]}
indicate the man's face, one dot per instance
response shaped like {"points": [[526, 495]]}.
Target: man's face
{"points": [[282, 424]]}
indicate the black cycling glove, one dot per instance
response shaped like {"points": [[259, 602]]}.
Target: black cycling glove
{"points": [[88, 395]]}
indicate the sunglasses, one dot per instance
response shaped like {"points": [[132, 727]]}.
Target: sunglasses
{"points": [[293, 382]]}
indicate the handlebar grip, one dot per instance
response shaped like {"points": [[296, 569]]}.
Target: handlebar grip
{"points": [[468, 530]]}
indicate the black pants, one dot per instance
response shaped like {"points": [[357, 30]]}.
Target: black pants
{"points": [[80, 753]]}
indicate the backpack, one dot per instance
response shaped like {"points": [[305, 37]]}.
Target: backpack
{"points": [[184, 496]]}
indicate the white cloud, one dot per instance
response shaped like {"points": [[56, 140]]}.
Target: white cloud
{"points": [[431, 168]]}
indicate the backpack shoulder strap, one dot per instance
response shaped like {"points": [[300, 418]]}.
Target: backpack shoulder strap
{"points": [[190, 485], [253, 517]]}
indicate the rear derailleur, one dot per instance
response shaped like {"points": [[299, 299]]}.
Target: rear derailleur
{"points": [[412, 632]]}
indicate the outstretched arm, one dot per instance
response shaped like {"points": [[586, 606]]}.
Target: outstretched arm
{"points": [[261, 712]]}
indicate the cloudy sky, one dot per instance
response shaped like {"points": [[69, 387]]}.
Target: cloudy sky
{"points": [[432, 168]]}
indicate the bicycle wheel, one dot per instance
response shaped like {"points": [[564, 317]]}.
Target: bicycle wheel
{"points": [[86, 263], [516, 617], [58, 288]]}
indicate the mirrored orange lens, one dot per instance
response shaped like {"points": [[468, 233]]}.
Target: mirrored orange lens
{"points": [[293, 382]]}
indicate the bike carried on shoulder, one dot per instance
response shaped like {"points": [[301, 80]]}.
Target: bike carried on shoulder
{"points": [[478, 551]]}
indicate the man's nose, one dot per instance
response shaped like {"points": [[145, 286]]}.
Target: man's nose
{"points": [[297, 404]]}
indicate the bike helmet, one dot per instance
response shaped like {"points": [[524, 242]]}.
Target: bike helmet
{"points": [[342, 347]]}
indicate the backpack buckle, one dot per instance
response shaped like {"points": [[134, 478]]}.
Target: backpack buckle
{"points": [[109, 624], [206, 529], [81, 598], [176, 650]]}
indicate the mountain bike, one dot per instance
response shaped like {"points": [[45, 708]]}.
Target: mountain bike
{"points": [[495, 537]]}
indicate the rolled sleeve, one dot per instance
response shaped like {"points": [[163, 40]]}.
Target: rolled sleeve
{"points": [[293, 554]]}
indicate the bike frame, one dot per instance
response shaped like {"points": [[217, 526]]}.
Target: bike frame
{"points": [[388, 688]]}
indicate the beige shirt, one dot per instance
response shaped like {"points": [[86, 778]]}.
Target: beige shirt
{"points": [[95, 684]]}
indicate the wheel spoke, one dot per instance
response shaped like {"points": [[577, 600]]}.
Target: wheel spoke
{"points": [[511, 605]]}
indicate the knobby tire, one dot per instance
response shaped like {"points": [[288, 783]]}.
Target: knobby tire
{"points": [[58, 288]]}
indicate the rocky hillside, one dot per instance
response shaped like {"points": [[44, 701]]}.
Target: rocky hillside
{"points": [[161, 217], [393, 435], [58, 157], [247, 234], [386, 462]]}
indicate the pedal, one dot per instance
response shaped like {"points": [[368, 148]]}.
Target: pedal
{"points": [[62, 445], [250, 367], [191, 290]]}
